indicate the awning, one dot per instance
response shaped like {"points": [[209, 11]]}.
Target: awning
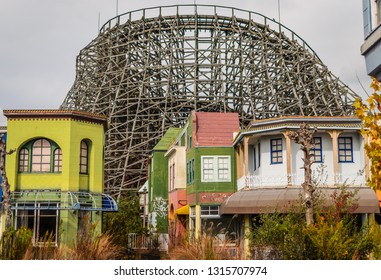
{"points": [[271, 200], [183, 210], [62, 200]]}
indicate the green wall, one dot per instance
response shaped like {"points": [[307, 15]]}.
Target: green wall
{"points": [[199, 186], [158, 180]]}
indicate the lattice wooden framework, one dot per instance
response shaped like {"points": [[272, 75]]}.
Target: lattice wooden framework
{"points": [[147, 70]]}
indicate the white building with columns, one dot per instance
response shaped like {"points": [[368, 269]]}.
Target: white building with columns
{"points": [[269, 168], [267, 157]]}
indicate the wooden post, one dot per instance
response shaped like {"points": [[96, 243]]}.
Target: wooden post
{"points": [[288, 157], [246, 155], [335, 150]]}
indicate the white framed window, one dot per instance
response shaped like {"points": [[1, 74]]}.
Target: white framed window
{"points": [[192, 211], [215, 169], [172, 175], [210, 210]]}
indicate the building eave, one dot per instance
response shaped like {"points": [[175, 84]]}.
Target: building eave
{"points": [[56, 114], [294, 122]]}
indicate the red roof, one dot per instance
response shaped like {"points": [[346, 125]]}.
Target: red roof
{"points": [[214, 129]]}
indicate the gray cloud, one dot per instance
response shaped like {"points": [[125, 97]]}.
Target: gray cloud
{"points": [[41, 39]]}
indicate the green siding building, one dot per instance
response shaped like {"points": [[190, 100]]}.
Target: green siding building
{"points": [[208, 171]]}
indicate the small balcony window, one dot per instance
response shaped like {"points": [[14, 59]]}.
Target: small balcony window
{"points": [[345, 149], [316, 149], [276, 151]]}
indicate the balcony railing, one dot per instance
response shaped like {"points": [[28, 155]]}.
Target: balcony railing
{"points": [[260, 181]]}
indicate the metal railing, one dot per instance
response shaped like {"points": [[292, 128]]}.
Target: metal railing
{"points": [[259, 181], [144, 242]]}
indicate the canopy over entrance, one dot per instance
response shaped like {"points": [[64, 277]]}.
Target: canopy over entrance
{"points": [[63, 200], [258, 201]]}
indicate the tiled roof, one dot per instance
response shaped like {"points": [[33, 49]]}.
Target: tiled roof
{"points": [[50, 112], [214, 129]]}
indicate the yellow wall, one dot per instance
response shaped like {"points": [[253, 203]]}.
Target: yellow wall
{"points": [[67, 133]]}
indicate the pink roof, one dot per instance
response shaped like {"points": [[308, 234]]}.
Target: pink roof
{"points": [[214, 129]]}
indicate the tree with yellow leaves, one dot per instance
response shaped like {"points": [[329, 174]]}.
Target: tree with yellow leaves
{"points": [[369, 113]]}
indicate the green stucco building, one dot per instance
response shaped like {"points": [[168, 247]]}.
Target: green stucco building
{"points": [[56, 173]]}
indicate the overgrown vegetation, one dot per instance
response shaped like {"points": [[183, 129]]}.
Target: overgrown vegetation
{"points": [[127, 220], [18, 245], [335, 234], [112, 244], [208, 246], [369, 113], [15, 243]]}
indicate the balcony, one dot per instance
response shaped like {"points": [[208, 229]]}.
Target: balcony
{"points": [[260, 181]]}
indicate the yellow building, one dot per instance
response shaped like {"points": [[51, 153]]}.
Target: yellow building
{"points": [[56, 174]]}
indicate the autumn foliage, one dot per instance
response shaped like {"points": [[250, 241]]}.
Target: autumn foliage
{"points": [[369, 112]]}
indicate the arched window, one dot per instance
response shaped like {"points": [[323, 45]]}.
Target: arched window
{"points": [[40, 155], [41, 151], [84, 155], [24, 160], [57, 160]]}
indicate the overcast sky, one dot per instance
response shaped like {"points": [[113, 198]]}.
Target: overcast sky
{"points": [[40, 40]]}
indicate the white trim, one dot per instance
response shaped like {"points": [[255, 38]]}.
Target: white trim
{"points": [[215, 168], [321, 129], [207, 208]]}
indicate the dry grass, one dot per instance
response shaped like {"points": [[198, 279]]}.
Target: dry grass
{"points": [[89, 246], [206, 247]]}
